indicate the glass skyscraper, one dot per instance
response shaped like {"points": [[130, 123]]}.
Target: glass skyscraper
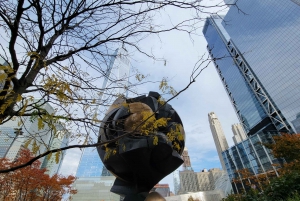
{"points": [[94, 180], [7, 137], [116, 78], [252, 155], [255, 49], [61, 140], [90, 164]]}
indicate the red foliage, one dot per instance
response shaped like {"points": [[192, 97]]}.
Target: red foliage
{"points": [[286, 146], [31, 182]]}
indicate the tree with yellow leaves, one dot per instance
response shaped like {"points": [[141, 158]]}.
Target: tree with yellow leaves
{"points": [[59, 51]]}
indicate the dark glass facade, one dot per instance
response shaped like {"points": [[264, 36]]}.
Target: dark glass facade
{"points": [[247, 106], [266, 34], [252, 155], [269, 38], [255, 49]]}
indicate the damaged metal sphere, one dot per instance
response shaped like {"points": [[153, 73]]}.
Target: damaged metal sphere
{"points": [[152, 147]]}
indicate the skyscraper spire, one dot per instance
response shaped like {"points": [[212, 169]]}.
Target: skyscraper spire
{"points": [[218, 135]]}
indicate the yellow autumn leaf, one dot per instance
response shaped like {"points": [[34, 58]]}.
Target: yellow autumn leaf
{"points": [[2, 67], [139, 77], [7, 69], [95, 117], [5, 105], [161, 101], [35, 147], [57, 155], [155, 140], [26, 144], [3, 76], [49, 156], [163, 85], [31, 98], [108, 152], [20, 123], [176, 146], [19, 98], [41, 124], [162, 122]]}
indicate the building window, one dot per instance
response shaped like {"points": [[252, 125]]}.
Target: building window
{"points": [[296, 2]]}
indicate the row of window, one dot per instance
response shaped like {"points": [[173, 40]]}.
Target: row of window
{"points": [[252, 155]]}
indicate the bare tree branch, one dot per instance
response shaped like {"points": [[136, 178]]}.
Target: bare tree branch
{"points": [[60, 51]]}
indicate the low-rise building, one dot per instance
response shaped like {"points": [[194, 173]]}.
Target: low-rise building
{"points": [[95, 189]]}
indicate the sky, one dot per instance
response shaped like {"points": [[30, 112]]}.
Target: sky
{"points": [[181, 51]]}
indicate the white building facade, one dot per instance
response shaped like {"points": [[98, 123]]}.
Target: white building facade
{"points": [[204, 180], [239, 134], [188, 182], [218, 135], [26, 133], [214, 179], [29, 130]]}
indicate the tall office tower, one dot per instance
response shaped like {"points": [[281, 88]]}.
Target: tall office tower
{"points": [[7, 137], [61, 140], [218, 135], [18, 132], [91, 170], [256, 56], [238, 133], [116, 78], [186, 160], [90, 164], [14, 135]]}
